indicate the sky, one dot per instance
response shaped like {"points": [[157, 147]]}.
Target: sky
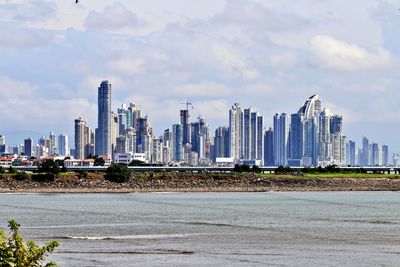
{"points": [[269, 55]]}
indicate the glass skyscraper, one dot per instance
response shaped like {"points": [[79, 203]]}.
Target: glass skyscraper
{"points": [[103, 132]]}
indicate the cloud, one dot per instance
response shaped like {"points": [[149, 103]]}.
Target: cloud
{"points": [[28, 11], [330, 53], [19, 37], [202, 89], [113, 17], [127, 66]]}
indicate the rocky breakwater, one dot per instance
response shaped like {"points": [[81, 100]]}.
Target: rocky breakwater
{"points": [[189, 182]]}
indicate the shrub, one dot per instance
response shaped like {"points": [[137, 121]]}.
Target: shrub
{"points": [[284, 170], [242, 168], [12, 170], [21, 176], [44, 177], [118, 173], [1, 169], [49, 167], [14, 251], [256, 169], [99, 161]]}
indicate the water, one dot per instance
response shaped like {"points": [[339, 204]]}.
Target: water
{"points": [[213, 229]]}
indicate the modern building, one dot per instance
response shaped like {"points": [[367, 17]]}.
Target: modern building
{"points": [[2, 139], [186, 126], [83, 139], [103, 132], [221, 143], [177, 132], [296, 140], [269, 159], [281, 139], [385, 155], [63, 145], [236, 132], [351, 160], [28, 147]]}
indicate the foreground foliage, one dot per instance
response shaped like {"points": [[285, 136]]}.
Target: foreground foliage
{"points": [[14, 251], [118, 173]]}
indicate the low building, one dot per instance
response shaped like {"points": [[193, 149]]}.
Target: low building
{"points": [[6, 162], [79, 163]]}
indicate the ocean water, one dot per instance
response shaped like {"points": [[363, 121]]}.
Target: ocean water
{"points": [[213, 229]]}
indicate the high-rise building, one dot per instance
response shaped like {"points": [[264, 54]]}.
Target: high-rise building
{"points": [[199, 137], [296, 139], [52, 147], [167, 146], [177, 132], [247, 133], [81, 138], [63, 145], [221, 142], [235, 131], [365, 152], [281, 139], [385, 155], [374, 155], [2, 139], [124, 119], [28, 147], [352, 153], [103, 132], [269, 148], [186, 126]]}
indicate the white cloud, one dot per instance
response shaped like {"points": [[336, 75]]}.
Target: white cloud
{"points": [[334, 54], [113, 17], [28, 11], [203, 89], [127, 66]]}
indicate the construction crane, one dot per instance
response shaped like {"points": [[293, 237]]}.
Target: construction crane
{"points": [[187, 105]]}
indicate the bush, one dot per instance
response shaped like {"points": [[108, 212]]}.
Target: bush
{"points": [[12, 170], [49, 167], [99, 161], [44, 177], [14, 251], [1, 169], [284, 170], [242, 168], [22, 176], [256, 169], [118, 173]]}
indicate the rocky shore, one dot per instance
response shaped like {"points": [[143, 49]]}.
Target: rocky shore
{"points": [[187, 182]]}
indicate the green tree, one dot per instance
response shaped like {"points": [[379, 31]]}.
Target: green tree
{"points": [[99, 161], [14, 251], [118, 173], [49, 167]]}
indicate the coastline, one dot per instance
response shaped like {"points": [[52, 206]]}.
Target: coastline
{"points": [[185, 182]]}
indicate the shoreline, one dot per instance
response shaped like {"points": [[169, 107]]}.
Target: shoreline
{"points": [[186, 182]]}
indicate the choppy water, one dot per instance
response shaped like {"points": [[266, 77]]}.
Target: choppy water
{"points": [[213, 229]]}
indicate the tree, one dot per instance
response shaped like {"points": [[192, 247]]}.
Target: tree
{"points": [[118, 173], [99, 161], [14, 251], [49, 167], [48, 171]]}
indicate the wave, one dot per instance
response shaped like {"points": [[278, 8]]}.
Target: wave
{"points": [[128, 237]]}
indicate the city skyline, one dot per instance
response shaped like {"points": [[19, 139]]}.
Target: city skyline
{"points": [[270, 58]]}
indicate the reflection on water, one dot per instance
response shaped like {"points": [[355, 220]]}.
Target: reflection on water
{"points": [[206, 229]]}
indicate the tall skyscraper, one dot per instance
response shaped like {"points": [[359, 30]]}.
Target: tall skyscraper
{"points": [[81, 138], [103, 132], [365, 151], [221, 142], [352, 153], [28, 147], [269, 148], [374, 155], [52, 147], [296, 139], [63, 145], [2, 139], [281, 139], [177, 132], [199, 137], [186, 126], [260, 139], [235, 131], [385, 155]]}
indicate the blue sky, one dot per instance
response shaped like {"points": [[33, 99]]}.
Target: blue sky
{"points": [[270, 55]]}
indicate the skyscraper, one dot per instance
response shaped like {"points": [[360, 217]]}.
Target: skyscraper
{"points": [[186, 126], [385, 155], [81, 138], [281, 139], [235, 131], [221, 142], [296, 139], [269, 148], [52, 147], [63, 145], [260, 139], [103, 132], [2, 139], [352, 153], [177, 133], [374, 155], [28, 147], [364, 155]]}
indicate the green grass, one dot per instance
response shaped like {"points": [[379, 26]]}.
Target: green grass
{"points": [[353, 175]]}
